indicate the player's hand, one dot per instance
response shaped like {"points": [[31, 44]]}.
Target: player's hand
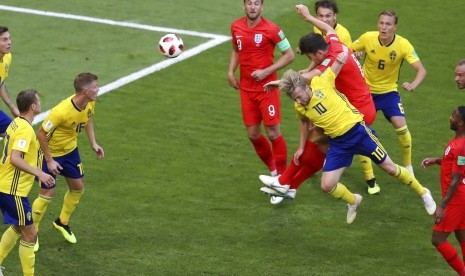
{"points": [[303, 11], [99, 151], [298, 153], [259, 75], [428, 162], [46, 179], [233, 82], [342, 57], [358, 55], [439, 215], [408, 86], [54, 167], [270, 85]]}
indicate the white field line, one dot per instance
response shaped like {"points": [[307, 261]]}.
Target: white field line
{"points": [[214, 41]]}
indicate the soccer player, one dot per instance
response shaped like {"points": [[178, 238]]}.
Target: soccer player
{"points": [[58, 140], [254, 39], [351, 83], [460, 74], [18, 166], [450, 214], [321, 104], [385, 52], [326, 11], [5, 62]]}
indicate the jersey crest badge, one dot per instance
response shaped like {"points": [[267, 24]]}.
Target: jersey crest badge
{"points": [[258, 38], [319, 94], [392, 55]]}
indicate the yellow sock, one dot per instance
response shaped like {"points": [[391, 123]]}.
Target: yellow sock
{"points": [[7, 242], [407, 178], [69, 204], [367, 167], [405, 139], [341, 192], [38, 209], [27, 257]]}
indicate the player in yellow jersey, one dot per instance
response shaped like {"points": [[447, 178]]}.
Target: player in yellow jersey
{"points": [[58, 141], [460, 74], [18, 166], [385, 52], [5, 62], [321, 104]]}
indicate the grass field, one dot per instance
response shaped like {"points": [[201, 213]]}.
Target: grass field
{"points": [[177, 192]]}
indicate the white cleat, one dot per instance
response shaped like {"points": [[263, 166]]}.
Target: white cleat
{"points": [[273, 182], [36, 245], [429, 203], [277, 197], [352, 209]]}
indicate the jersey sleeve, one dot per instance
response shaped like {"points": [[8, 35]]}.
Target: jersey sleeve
{"points": [[359, 44], [459, 163], [53, 120], [22, 140], [410, 54]]}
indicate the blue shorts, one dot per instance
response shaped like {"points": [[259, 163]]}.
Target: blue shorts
{"points": [[72, 167], [16, 210], [390, 104], [358, 140], [5, 121]]}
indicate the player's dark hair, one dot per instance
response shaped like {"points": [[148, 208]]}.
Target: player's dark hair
{"points": [[390, 13], [3, 29], [327, 4], [82, 80], [262, 1], [461, 112], [25, 99], [312, 43]]}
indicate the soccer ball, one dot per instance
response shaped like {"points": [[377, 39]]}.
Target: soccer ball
{"points": [[171, 45]]}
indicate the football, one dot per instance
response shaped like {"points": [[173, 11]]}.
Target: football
{"points": [[171, 45]]}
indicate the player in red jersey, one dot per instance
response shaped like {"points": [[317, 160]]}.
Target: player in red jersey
{"points": [[254, 39], [450, 213], [309, 158]]}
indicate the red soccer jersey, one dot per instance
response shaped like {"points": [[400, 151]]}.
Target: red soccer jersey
{"points": [[256, 50], [453, 161], [350, 80]]}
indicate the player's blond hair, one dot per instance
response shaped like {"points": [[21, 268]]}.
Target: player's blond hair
{"points": [[290, 81]]}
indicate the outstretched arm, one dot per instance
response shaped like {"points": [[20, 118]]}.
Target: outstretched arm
{"points": [[303, 11], [340, 61], [7, 99]]}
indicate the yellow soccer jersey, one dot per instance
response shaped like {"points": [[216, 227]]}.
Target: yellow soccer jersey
{"points": [[329, 109], [19, 136], [4, 67], [342, 33], [63, 125], [382, 64]]}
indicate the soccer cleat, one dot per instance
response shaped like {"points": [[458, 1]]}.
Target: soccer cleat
{"points": [[352, 209], [1, 270], [410, 169], [290, 194], [36, 245], [276, 199], [65, 231], [375, 190], [272, 182], [429, 203]]}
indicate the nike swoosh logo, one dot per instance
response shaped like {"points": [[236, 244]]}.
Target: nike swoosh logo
{"points": [[239, 36]]}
